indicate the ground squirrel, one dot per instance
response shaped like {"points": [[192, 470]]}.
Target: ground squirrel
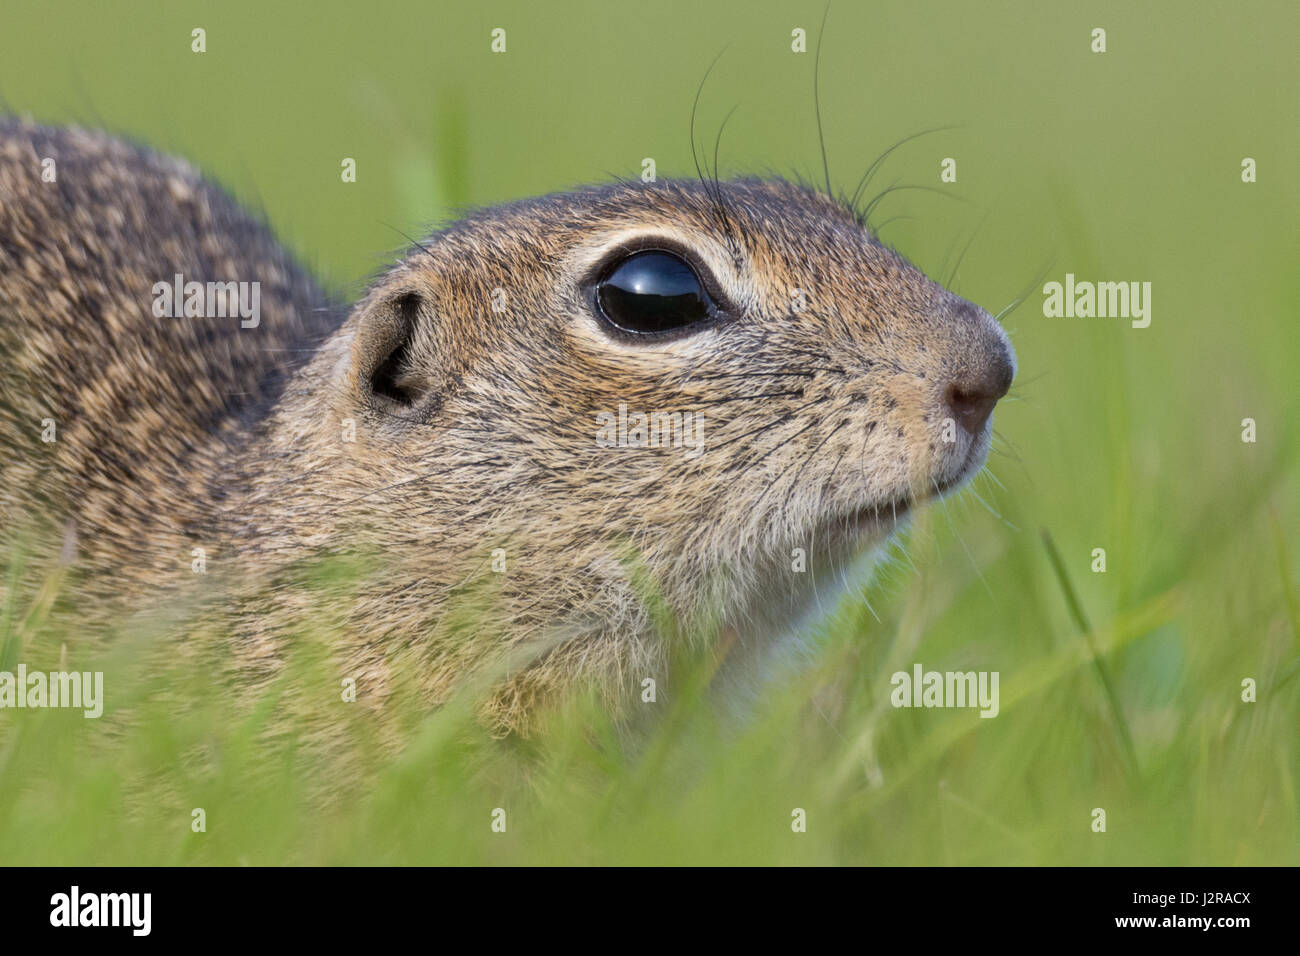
{"points": [[593, 404]]}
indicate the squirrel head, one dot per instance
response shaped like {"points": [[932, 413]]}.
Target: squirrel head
{"points": [[695, 379]]}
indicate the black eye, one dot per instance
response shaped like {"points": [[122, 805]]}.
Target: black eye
{"points": [[653, 292]]}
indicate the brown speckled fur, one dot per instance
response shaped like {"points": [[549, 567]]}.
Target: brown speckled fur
{"points": [[821, 426], [147, 411]]}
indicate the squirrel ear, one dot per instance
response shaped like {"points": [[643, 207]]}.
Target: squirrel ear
{"points": [[386, 365]]}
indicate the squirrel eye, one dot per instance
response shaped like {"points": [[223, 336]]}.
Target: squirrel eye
{"points": [[653, 292]]}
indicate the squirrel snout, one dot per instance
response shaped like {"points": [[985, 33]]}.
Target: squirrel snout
{"points": [[972, 392], [971, 401]]}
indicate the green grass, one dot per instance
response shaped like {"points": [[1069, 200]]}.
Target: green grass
{"points": [[1119, 690], [1210, 779]]}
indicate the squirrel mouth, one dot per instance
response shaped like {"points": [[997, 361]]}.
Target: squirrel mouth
{"points": [[871, 524], [881, 518]]}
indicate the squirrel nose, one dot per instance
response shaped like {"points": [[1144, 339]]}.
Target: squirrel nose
{"points": [[971, 395]]}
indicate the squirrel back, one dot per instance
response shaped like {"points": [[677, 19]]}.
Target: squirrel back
{"points": [[116, 421]]}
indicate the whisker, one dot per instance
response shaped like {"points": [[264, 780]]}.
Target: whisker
{"points": [[969, 242], [994, 479], [714, 192], [871, 170], [961, 540], [1019, 300], [889, 220], [817, 100], [989, 508], [743, 398], [866, 213]]}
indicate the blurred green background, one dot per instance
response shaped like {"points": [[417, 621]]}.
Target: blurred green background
{"points": [[1117, 166]]}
